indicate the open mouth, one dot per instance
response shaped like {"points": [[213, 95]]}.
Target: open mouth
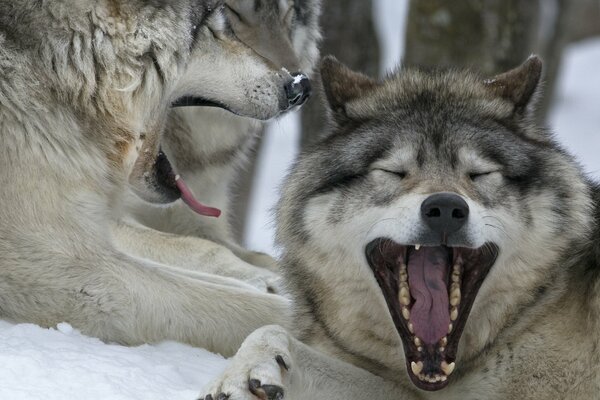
{"points": [[168, 181], [429, 291]]}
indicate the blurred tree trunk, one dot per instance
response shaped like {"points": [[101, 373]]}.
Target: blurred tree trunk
{"points": [[488, 35], [584, 20], [551, 46], [349, 34], [242, 191]]}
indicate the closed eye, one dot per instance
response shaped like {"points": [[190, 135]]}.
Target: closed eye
{"points": [[476, 175], [399, 174]]}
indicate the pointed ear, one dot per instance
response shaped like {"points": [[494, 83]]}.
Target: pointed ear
{"points": [[519, 84], [342, 85]]}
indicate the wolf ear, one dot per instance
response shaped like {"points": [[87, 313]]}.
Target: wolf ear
{"points": [[519, 84], [342, 85]]}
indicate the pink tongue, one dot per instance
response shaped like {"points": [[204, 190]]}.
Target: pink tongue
{"points": [[188, 198], [427, 274]]}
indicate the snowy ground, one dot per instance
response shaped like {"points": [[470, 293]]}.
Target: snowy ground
{"points": [[61, 364]]}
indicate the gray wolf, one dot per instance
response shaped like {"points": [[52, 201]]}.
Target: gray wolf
{"points": [[438, 245], [85, 90], [208, 146]]}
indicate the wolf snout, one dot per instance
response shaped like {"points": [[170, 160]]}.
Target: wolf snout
{"points": [[298, 89], [444, 213]]}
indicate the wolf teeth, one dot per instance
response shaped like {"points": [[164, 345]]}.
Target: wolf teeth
{"points": [[447, 368], [417, 341], [411, 327], [450, 328], [454, 314], [456, 273], [416, 367], [404, 296], [405, 313], [432, 378], [403, 276], [455, 294]]}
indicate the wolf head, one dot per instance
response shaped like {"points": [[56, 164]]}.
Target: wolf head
{"points": [[282, 31], [114, 68], [436, 198]]}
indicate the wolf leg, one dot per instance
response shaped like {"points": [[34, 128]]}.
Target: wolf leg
{"points": [[190, 253], [272, 365], [118, 298]]}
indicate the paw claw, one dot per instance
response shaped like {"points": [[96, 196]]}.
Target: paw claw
{"points": [[273, 392], [265, 392]]}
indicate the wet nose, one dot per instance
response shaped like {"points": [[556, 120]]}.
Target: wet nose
{"points": [[298, 89], [445, 212]]}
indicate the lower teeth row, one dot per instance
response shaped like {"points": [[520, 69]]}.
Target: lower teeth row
{"points": [[417, 367]]}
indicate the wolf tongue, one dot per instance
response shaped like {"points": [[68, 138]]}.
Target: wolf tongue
{"points": [[188, 198], [427, 275]]}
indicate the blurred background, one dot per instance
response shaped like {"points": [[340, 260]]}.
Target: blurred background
{"points": [[375, 36]]}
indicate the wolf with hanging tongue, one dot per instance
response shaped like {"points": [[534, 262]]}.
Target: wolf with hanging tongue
{"points": [[438, 244], [85, 91]]}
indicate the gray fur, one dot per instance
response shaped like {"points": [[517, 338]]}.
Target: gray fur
{"points": [[533, 329], [209, 146], [85, 90]]}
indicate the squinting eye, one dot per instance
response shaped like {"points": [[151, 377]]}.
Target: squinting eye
{"points": [[475, 175], [399, 174]]}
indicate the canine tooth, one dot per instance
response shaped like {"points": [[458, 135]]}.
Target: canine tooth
{"points": [[417, 247], [454, 314], [417, 367], [411, 327], [405, 313], [418, 341], [450, 328], [447, 368]]}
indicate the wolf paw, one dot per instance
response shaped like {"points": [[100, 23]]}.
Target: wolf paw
{"points": [[260, 369]]}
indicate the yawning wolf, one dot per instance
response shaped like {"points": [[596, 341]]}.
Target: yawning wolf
{"points": [[438, 244], [85, 90]]}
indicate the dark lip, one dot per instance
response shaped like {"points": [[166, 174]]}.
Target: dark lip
{"points": [[382, 255], [165, 179], [194, 101]]}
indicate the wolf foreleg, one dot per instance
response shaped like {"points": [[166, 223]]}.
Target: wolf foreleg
{"points": [[272, 365]]}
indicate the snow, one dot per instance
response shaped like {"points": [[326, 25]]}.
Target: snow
{"points": [[62, 364], [576, 114]]}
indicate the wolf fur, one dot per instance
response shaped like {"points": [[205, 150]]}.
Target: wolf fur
{"points": [[533, 329], [209, 146], [85, 90]]}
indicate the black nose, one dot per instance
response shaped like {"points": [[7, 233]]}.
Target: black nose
{"points": [[298, 89], [444, 212]]}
